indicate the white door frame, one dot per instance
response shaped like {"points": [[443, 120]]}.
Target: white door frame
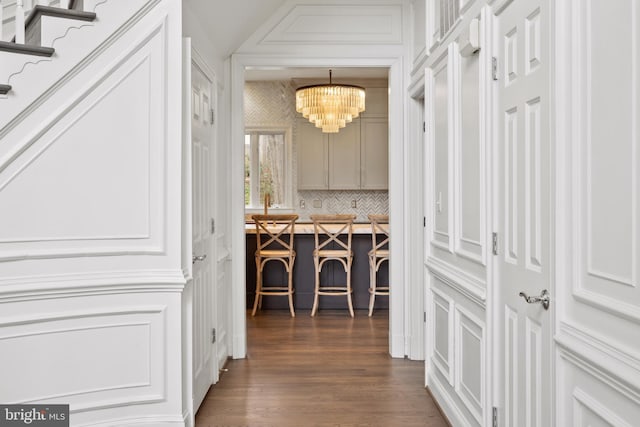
{"points": [[399, 311]]}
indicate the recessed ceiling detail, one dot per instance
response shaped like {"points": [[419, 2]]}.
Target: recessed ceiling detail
{"points": [[338, 24]]}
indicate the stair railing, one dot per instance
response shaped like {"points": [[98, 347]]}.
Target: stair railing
{"points": [[24, 6]]}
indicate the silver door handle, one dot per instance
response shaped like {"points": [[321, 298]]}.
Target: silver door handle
{"points": [[543, 299], [199, 258]]}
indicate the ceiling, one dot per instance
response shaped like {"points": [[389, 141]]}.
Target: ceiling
{"points": [[230, 22]]}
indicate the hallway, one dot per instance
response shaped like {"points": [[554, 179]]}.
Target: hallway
{"points": [[331, 370]]}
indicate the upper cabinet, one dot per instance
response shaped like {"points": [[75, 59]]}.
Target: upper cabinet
{"points": [[356, 158], [313, 159]]}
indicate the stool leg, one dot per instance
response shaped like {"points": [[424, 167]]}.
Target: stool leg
{"points": [[258, 286], [348, 271], [316, 263], [372, 284], [290, 286]]}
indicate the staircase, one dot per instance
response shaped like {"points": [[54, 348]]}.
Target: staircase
{"points": [[33, 33]]}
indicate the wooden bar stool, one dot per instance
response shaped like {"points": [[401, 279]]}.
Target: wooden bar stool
{"points": [[274, 239], [332, 243], [378, 254]]}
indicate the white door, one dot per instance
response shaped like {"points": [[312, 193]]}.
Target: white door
{"points": [[524, 260], [204, 362]]}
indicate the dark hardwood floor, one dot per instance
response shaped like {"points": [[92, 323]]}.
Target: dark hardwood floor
{"points": [[331, 370]]}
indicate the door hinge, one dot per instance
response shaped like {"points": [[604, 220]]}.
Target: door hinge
{"points": [[424, 221], [424, 316], [495, 416], [424, 126], [213, 336], [212, 116], [494, 68], [494, 243], [213, 226]]}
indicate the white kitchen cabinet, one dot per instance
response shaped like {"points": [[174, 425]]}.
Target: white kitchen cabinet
{"points": [[313, 158], [355, 158], [344, 157], [377, 102], [374, 154]]}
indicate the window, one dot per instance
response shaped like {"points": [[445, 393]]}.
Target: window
{"points": [[266, 168]]}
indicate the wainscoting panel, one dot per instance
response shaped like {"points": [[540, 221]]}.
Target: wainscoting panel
{"points": [[588, 398], [442, 331], [469, 162], [607, 202], [94, 184], [441, 236], [127, 345], [470, 366]]}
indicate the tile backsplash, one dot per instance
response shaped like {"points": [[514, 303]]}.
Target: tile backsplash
{"points": [[272, 103], [334, 202]]}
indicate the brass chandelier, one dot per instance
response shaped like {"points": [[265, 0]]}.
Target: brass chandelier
{"points": [[331, 106]]}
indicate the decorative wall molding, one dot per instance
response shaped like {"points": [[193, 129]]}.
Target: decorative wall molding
{"points": [[603, 218], [613, 306], [441, 360], [467, 323], [584, 405], [467, 113], [458, 279], [448, 405], [144, 383], [141, 233], [350, 24], [27, 288], [601, 359]]}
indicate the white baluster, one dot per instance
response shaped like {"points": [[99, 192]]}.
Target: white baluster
{"points": [[20, 21]]}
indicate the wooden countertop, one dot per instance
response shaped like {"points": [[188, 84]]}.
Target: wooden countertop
{"points": [[307, 228]]}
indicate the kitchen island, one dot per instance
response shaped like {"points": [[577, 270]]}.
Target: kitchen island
{"points": [[304, 273]]}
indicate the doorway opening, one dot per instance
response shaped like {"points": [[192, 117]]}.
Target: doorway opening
{"points": [[248, 69]]}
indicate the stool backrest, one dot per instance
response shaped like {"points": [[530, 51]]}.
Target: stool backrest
{"points": [[328, 230], [379, 227], [274, 232]]}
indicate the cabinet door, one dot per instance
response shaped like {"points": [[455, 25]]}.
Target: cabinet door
{"points": [[374, 149], [344, 157], [377, 102], [312, 146]]}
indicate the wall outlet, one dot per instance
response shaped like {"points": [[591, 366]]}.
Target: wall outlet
{"points": [[354, 203], [302, 204], [317, 203]]}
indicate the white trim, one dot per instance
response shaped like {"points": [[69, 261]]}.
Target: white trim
{"points": [[450, 409], [458, 279], [582, 399], [459, 386], [398, 314], [601, 359], [436, 357]]}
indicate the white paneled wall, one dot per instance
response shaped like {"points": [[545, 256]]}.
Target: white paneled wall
{"points": [[90, 263], [595, 123], [599, 349], [456, 218]]}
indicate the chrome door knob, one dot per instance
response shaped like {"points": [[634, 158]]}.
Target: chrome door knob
{"points": [[543, 299], [198, 258]]}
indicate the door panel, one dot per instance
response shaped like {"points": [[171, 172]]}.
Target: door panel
{"points": [[204, 362], [523, 263]]}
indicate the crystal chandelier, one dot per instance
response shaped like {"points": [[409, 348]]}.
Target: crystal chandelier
{"points": [[330, 107]]}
